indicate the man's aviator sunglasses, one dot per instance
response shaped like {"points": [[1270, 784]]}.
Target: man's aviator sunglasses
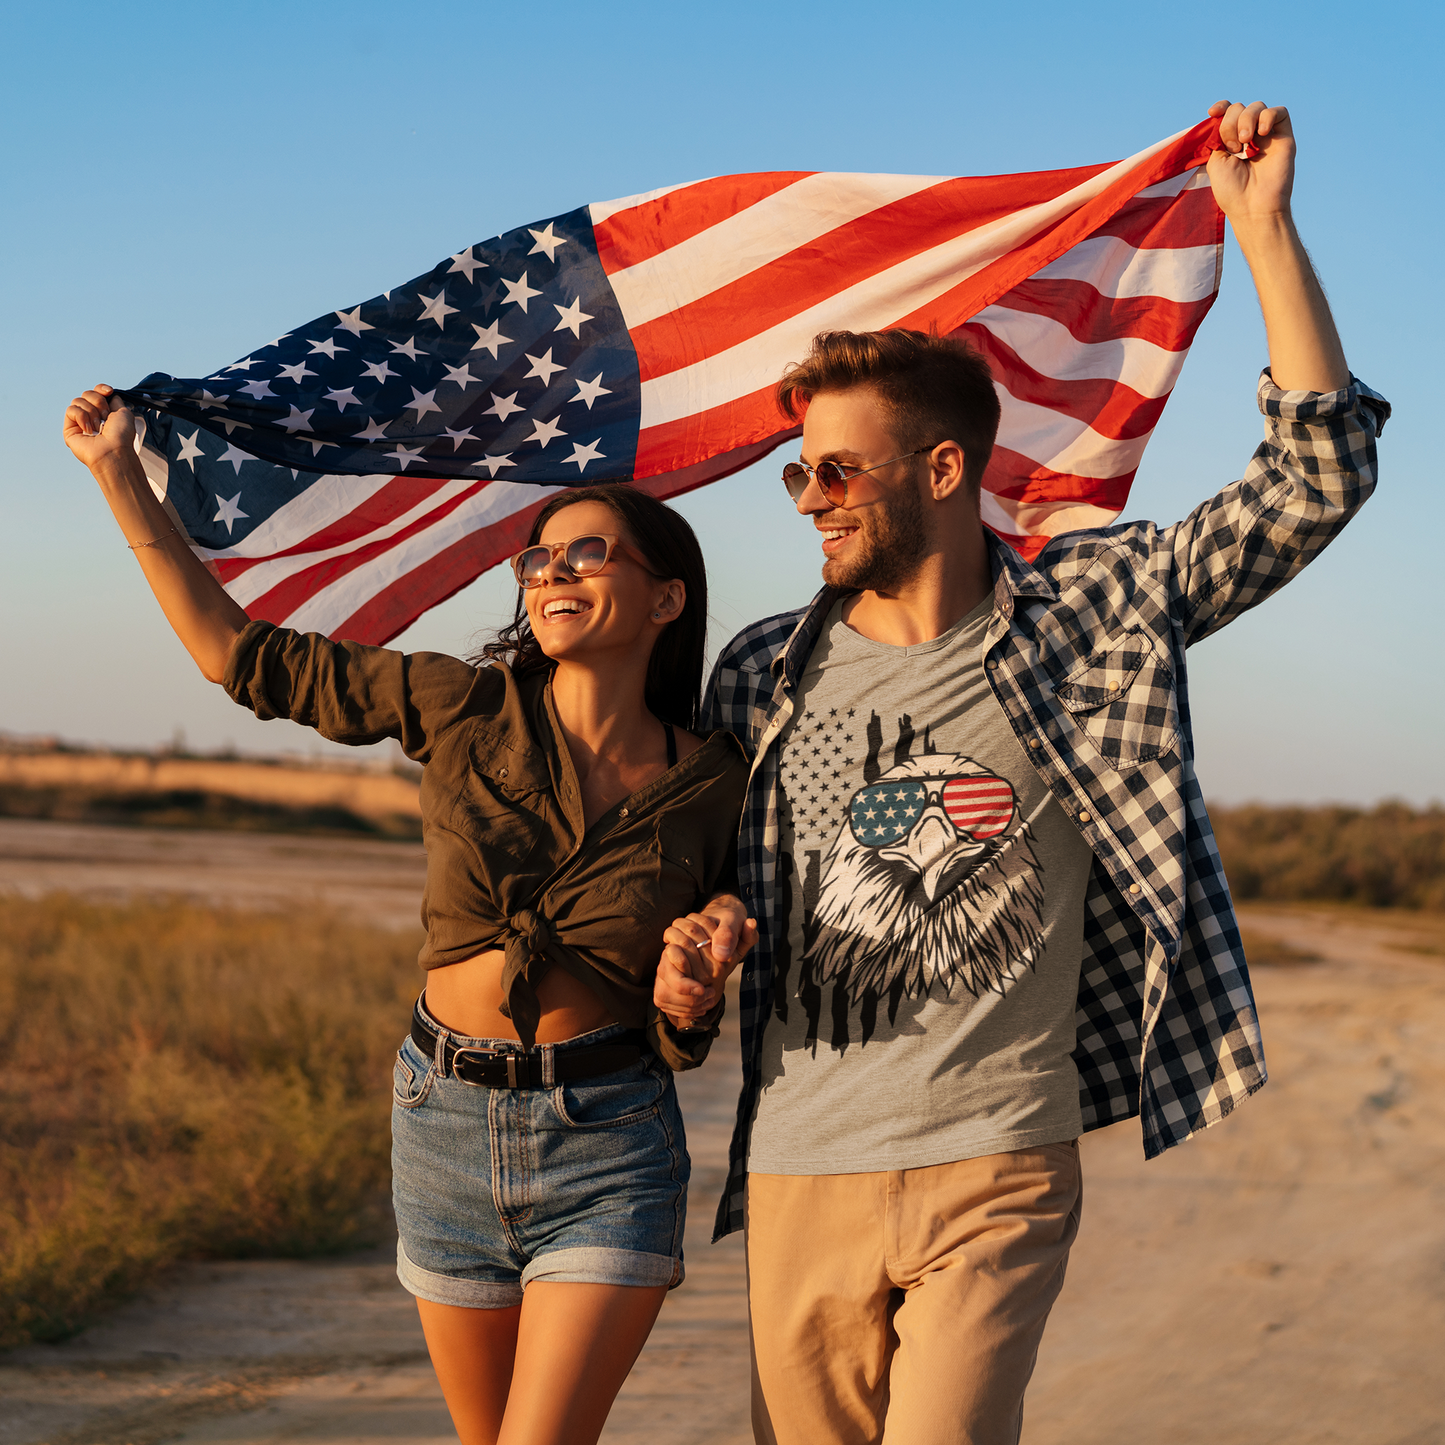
{"points": [[582, 557], [832, 477]]}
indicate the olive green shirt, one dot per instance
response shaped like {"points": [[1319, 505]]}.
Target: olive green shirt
{"points": [[510, 862]]}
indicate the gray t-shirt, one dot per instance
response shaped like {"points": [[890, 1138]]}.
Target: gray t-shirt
{"points": [[930, 920]]}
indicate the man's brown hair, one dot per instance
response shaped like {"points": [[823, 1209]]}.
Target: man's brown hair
{"points": [[933, 388]]}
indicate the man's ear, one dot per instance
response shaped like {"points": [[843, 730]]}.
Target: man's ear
{"points": [[946, 470]]}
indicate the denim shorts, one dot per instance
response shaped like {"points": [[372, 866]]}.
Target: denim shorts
{"points": [[494, 1188]]}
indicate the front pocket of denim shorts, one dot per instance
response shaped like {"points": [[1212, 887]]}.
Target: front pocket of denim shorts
{"points": [[409, 1085], [611, 1102]]}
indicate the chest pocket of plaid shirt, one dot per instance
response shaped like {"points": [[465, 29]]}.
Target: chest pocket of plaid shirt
{"points": [[1123, 699]]}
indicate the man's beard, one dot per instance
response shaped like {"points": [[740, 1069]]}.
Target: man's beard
{"points": [[887, 547]]}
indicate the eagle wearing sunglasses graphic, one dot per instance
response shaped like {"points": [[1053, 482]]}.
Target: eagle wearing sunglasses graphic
{"points": [[932, 880]]}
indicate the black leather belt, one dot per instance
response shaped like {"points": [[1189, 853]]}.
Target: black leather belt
{"points": [[509, 1069]]}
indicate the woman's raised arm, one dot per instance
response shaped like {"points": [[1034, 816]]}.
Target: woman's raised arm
{"points": [[101, 433]]}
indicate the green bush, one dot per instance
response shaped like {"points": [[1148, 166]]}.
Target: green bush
{"points": [[1389, 856], [178, 1082]]}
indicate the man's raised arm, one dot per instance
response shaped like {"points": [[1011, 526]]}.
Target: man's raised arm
{"points": [[1305, 353]]}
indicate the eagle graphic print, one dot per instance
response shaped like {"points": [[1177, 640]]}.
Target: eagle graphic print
{"points": [[930, 887]]}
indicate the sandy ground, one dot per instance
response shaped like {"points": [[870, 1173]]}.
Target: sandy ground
{"points": [[1280, 1279]]}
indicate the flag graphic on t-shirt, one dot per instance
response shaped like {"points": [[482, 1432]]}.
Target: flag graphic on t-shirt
{"points": [[931, 879]]}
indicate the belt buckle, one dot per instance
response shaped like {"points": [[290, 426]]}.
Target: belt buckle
{"points": [[486, 1055]]}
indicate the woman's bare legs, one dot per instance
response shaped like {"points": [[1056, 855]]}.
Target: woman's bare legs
{"points": [[542, 1373], [472, 1352]]}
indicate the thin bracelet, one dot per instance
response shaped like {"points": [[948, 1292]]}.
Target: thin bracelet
{"points": [[136, 546]]}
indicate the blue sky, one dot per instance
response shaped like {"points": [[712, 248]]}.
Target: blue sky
{"points": [[182, 182]]}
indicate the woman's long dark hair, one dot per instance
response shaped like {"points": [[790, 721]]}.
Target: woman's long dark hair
{"points": [[664, 539]]}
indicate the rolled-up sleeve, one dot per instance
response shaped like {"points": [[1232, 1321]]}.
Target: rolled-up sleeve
{"points": [[355, 694], [1313, 471]]}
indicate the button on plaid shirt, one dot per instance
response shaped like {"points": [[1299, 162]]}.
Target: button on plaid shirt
{"points": [[1086, 654]]}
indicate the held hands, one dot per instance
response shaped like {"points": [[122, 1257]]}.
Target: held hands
{"points": [[702, 950], [1253, 174], [97, 426]]}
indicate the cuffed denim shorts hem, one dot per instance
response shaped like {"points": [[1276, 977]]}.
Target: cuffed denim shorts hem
{"points": [[559, 1266], [584, 1182]]}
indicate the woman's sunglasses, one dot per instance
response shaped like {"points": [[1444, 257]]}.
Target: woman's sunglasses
{"points": [[582, 557], [832, 477]]}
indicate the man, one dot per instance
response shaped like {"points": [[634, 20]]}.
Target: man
{"points": [[991, 913]]}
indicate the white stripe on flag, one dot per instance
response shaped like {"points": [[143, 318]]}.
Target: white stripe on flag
{"points": [[870, 305], [258, 580], [1062, 443], [493, 504], [754, 238], [1051, 349], [1115, 268]]}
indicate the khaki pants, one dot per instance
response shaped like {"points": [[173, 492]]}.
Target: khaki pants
{"points": [[905, 1307]]}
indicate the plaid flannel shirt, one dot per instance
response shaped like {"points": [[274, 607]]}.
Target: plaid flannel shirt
{"points": [[1085, 654]]}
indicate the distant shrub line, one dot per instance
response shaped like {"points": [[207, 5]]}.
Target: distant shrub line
{"points": [[192, 808], [1389, 856], [179, 1082]]}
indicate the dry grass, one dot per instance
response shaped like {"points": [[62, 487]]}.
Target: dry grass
{"points": [[1389, 856], [178, 1081]]}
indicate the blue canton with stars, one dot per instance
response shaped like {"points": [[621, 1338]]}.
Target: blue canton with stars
{"points": [[509, 360], [882, 814]]}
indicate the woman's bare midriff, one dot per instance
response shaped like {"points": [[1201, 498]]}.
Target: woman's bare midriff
{"points": [[466, 997]]}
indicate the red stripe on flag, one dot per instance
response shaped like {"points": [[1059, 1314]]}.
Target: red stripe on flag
{"points": [[395, 607], [1167, 222], [651, 227], [1112, 408], [1023, 479], [809, 274], [967, 299], [286, 596], [379, 510]]}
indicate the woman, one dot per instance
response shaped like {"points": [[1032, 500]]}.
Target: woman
{"points": [[569, 815]]}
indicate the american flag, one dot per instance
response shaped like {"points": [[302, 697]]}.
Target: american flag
{"points": [[349, 475]]}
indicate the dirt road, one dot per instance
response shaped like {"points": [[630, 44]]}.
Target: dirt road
{"points": [[1280, 1279]]}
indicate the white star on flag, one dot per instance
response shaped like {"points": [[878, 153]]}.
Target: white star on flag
{"points": [[230, 513], [582, 455], [380, 370], [589, 391], [351, 321], [190, 449], [235, 456], [206, 401], [298, 420], [458, 437], [374, 431], [343, 398], [461, 375], [408, 349], [421, 403], [495, 464], [258, 389], [543, 367], [571, 317], [466, 263], [489, 336], [503, 406], [547, 241], [328, 348], [245, 365], [436, 309], [406, 457], [518, 292], [544, 432], [295, 372]]}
